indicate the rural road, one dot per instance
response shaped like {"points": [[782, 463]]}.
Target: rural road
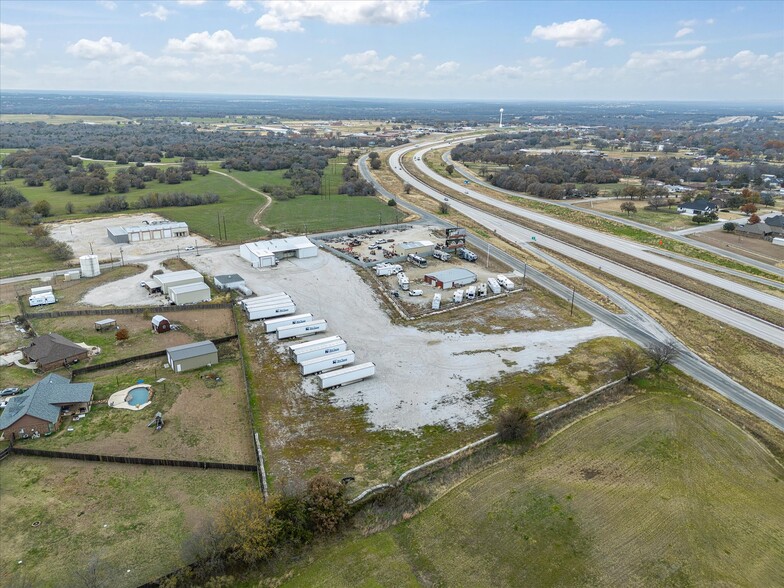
{"points": [[634, 324]]}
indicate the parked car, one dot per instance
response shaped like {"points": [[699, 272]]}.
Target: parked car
{"points": [[9, 391], [415, 293], [190, 248]]}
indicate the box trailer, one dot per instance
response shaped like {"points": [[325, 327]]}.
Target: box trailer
{"points": [[442, 255], [321, 351], [436, 301], [458, 297], [298, 347], [494, 286], [402, 281], [265, 312], [257, 299], [386, 269], [267, 303], [346, 375], [41, 299], [303, 330], [326, 363], [272, 325], [470, 293]]}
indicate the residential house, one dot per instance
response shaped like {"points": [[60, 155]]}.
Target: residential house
{"points": [[776, 225], [53, 351], [39, 410], [757, 230], [699, 206]]}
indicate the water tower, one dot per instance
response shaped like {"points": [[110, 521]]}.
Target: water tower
{"points": [[501, 120]]}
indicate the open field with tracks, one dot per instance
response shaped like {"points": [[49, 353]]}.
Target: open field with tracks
{"points": [[657, 491]]}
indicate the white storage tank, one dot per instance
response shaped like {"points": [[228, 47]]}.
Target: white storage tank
{"points": [[89, 266]]}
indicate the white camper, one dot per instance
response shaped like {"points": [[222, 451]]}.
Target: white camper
{"points": [[402, 281], [41, 299], [458, 297], [436, 301], [494, 286], [470, 293]]}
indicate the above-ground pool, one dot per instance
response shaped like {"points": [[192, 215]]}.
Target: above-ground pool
{"points": [[137, 396]]}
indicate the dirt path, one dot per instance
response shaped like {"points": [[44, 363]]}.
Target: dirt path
{"points": [[257, 215]]}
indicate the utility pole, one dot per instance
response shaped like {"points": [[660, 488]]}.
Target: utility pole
{"points": [[571, 310], [122, 260], [525, 269], [225, 234], [220, 236], [196, 241]]}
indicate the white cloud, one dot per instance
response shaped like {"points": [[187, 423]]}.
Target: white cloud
{"points": [[579, 71], [287, 15], [447, 67], [265, 67], [614, 42], [219, 42], [368, 61], [710, 21], [417, 57], [103, 48], [12, 37], [270, 22], [572, 33], [503, 71], [240, 5], [662, 59], [683, 32], [688, 23], [191, 2], [160, 12], [108, 4], [539, 62]]}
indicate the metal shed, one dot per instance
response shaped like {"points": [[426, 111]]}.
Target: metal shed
{"points": [[170, 279], [416, 247], [192, 356], [105, 324], [229, 281], [190, 293], [451, 278]]}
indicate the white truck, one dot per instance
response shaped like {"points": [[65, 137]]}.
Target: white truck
{"points": [[505, 282], [298, 348], [481, 290], [494, 286], [402, 281], [471, 293], [442, 255], [321, 351], [415, 292], [41, 299], [272, 325], [303, 330], [436, 301], [346, 375], [256, 313], [326, 363], [458, 297], [386, 269]]}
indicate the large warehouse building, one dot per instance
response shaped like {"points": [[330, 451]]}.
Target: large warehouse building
{"points": [[268, 253], [190, 293], [451, 278], [149, 232], [168, 280]]}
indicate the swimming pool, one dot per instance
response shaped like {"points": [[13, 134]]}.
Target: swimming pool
{"points": [[137, 396]]}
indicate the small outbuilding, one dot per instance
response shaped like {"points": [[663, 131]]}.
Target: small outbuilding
{"points": [[190, 293], [105, 324], [160, 324], [192, 356], [229, 282], [451, 278]]}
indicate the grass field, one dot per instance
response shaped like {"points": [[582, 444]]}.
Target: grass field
{"points": [[669, 220], [133, 518], [657, 491]]}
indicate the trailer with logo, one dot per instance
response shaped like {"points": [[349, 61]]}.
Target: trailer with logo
{"points": [[347, 375], [320, 350], [273, 324], [41, 299], [297, 348], [256, 313], [326, 363], [303, 330]]}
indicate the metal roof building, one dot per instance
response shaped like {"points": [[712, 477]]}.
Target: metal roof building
{"points": [[451, 278], [268, 253], [228, 281], [148, 232], [190, 293], [170, 279], [416, 247], [192, 356]]}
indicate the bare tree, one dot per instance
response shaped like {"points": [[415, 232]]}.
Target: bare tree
{"points": [[661, 353], [407, 188], [628, 360], [628, 208], [95, 574], [514, 423]]}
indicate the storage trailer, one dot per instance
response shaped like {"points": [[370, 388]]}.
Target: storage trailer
{"points": [[41, 299], [41, 290], [302, 330], [494, 286], [266, 297], [326, 363], [299, 347], [265, 312], [272, 325], [321, 351], [346, 375]]}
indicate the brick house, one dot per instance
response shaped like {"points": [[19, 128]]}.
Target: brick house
{"points": [[53, 351]]}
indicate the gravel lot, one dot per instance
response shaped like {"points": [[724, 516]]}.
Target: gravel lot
{"points": [[421, 377], [126, 292], [83, 233]]}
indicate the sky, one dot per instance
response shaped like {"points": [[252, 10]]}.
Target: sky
{"points": [[417, 49]]}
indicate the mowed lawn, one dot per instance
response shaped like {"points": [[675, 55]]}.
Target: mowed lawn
{"points": [[658, 491]]}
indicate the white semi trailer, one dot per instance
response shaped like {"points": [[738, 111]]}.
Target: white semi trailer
{"points": [[326, 363], [272, 325], [298, 347], [256, 313], [321, 351], [347, 375], [303, 330], [257, 299], [264, 301]]}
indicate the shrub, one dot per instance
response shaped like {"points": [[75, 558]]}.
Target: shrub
{"points": [[121, 334], [61, 251], [391, 202], [43, 208], [627, 360], [326, 504], [514, 423]]}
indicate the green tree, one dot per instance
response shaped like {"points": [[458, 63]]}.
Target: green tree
{"points": [[375, 163], [628, 208], [43, 208], [450, 169], [514, 423], [728, 227], [326, 504], [69, 208]]}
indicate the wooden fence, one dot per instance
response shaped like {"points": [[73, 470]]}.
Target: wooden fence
{"points": [[128, 460]]}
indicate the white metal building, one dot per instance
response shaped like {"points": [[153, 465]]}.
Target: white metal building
{"points": [[416, 247], [268, 253], [190, 293], [169, 279], [229, 281], [148, 232], [451, 278]]}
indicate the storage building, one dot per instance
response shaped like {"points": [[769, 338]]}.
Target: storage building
{"points": [[171, 279], [451, 278], [416, 247], [160, 324], [229, 281], [190, 293], [268, 253], [192, 356], [105, 324], [148, 232]]}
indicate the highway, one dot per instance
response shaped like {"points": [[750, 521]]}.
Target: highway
{"points": [[634, 323]]}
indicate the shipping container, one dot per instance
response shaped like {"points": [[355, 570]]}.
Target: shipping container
{"points": [[272, 325], [298, 347], [494, 286], [326, 363], [303, 330], [436, 301], [347, 375], [458, 297], [265, 312], [321, 351]]}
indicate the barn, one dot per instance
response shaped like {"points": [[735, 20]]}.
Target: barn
{"points": [[192, 356], [160, 324], [269, 253], [190, 293], [451, 278]]}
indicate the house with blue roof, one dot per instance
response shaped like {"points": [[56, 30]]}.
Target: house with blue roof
{"points": [[41, 407]]}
